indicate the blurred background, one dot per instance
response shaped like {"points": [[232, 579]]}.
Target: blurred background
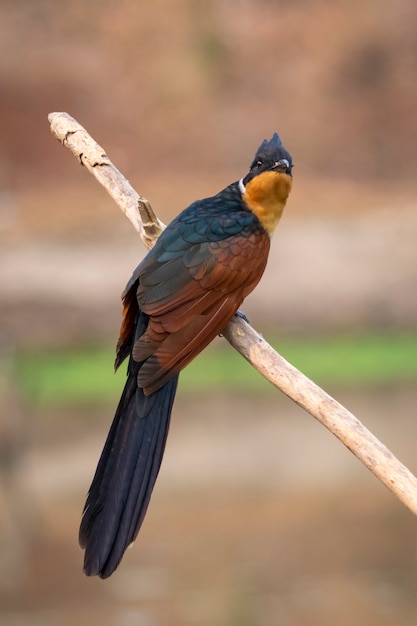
{"points": [[259, 515]]}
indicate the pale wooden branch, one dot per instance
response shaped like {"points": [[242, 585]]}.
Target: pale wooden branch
{"points": [[136, 208], [349, 430]]}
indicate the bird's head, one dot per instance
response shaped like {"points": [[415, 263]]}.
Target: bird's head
{"points": [[266, 187], [271, 156]]}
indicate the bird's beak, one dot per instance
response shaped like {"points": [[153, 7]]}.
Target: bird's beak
{"points": [[282, 165]]}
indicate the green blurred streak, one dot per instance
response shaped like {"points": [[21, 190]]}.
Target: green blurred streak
{"points": [[85, 376]]}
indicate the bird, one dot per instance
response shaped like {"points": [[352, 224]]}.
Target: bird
{"points": [[179, 298]]}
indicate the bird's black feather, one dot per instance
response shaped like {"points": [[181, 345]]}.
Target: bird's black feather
{"points": [[126, 473]]}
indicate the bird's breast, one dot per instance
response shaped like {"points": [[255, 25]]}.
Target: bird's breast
{"points": [[266, 195]]}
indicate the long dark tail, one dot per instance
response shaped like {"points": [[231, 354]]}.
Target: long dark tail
{"points": [[126, 473]]}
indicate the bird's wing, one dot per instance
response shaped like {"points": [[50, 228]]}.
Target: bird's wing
{"points": [[189, 298]]}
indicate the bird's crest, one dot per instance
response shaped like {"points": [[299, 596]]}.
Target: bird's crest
{"points": [[269, 149], [274, 141]]}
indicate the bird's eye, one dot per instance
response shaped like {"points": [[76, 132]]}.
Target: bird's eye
{"points": [[259, 163]]}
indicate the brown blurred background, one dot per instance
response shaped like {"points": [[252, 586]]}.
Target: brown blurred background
{"points": [[259, 516]]}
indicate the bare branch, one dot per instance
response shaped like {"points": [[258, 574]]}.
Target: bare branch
{"points": [[136, 208], [349, 430], [345, 426]]}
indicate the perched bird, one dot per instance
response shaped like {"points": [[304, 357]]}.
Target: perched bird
{"points": [[183, 293]]}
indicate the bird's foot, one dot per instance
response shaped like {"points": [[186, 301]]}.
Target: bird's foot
{"points": [[242, 316]]}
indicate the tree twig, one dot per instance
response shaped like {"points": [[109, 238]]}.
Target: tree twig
{"points": [[345, 426], [136, 208]]}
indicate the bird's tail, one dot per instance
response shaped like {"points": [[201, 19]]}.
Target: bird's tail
{"points": [[126, 473]]}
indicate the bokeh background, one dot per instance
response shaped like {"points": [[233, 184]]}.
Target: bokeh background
{"points": [[259, 515]]}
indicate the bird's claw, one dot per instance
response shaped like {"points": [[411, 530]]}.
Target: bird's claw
{"points": [[242, 316]]}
